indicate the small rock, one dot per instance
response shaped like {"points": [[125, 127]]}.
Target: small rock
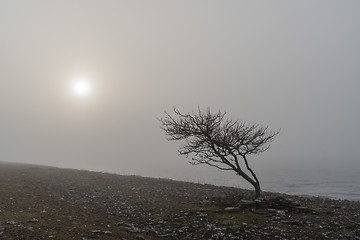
{"points": [[33, 220], [235, 228], [271, 210], [133, 230], [247, 202], [201, 214], [107, 233], [231, 209], [51, 237], [280, 212], [95, 231], [140, 237], [122, 228]]}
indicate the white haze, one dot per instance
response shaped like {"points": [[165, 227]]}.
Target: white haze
{"points": [[292, 65]]}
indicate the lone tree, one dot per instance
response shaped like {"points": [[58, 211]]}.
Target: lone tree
{"points": [[222, 143]]}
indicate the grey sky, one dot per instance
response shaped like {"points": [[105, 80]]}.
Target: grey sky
{"points": [[292, 65]]}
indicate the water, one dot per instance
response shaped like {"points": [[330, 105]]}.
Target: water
{"points": [[330, 181], [333, 184]]}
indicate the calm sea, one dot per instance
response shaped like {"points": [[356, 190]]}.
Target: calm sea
{"points": [[334, 183]]}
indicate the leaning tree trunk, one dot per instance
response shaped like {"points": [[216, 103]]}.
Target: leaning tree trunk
{"points": [[257, 189], [255, 183]]}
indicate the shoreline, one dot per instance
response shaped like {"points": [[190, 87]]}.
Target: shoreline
{"points": [[57, 203], [296, 194]]}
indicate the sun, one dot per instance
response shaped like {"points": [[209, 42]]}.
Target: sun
{"points": [[81, 86]]}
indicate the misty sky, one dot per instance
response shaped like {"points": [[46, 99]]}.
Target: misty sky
{"points": [[292, 65]]}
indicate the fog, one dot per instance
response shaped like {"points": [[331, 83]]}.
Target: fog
{"points": [[291, 65]]}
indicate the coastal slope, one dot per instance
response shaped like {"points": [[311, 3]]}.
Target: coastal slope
{"points": [[41, 202]]}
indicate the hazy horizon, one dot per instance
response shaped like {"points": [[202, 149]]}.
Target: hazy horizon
{"points": [[289, 65]]}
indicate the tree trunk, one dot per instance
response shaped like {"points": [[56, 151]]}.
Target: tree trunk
{"points": [[257, 189], [255, 183]]}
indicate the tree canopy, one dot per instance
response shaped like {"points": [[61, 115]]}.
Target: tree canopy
{"points": [[219, 142]]}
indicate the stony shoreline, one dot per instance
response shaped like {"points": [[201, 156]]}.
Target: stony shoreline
{"points": [[39, 202]]}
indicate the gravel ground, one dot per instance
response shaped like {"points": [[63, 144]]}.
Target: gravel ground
{"points": [[38, 202]]}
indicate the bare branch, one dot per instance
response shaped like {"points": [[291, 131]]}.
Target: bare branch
{"points": [[216, 141]]}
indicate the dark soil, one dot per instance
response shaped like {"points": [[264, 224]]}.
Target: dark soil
{"points": [[38, 202]]}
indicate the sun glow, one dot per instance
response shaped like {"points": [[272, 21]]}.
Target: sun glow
{"points": [[81, 87]]}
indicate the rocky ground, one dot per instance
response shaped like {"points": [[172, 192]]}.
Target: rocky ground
{"points": [[38, 202]]}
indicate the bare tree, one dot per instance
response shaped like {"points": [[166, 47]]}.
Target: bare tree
{"points": [[222, 143]]}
